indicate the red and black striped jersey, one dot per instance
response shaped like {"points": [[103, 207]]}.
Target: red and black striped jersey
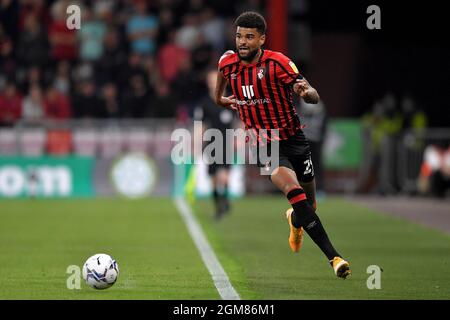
{"points": [[263, 91]]}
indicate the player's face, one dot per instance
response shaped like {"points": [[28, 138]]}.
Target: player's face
{"points": [[248, 42]]}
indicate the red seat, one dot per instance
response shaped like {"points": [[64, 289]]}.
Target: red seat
{"points": [[59, 142]]}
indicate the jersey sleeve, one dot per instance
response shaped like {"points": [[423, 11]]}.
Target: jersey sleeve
{"points": [[225, 60], [286, 70]]}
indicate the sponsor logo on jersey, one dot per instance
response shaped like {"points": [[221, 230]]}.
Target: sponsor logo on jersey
{"points": [[252, 102], [261, 73], [248, 91], [293, 66]]}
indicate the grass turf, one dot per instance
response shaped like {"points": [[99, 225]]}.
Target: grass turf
{"points": [[158, 260], [415, 260]]}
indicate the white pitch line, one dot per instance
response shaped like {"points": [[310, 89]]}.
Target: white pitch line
{"points": [[218, 274]]}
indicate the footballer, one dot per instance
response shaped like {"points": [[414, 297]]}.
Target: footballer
{"points": [[262, 83]]}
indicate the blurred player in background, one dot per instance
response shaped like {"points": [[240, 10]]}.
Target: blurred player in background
{"points": [[262, 82], [221, 119]]}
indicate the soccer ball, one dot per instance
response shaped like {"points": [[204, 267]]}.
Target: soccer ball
{"points": [[100, 271]]}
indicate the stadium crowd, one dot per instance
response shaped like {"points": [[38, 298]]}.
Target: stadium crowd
{"points": [[129, 59]]}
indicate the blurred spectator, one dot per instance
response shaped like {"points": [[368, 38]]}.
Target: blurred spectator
{"points": [[166, 25], [314, 116], [9, 18], [57, 104], [163, 104], [33, 104], [413, 118], [83, 71], [63, 41], [151, 69], [86, 103], [389, 135], [213, 29], [250, 5], [137, 98], [434, 176], [32, 48], [227, 8], [132, 68], [202, 55], [392, 119], [381, 129], [110, 101], [170, 57], [106, 10], [33, 8], [142, 29], [195, 6], [10, 105], [114, 57], [33, 76], [187, 86], [166, 42], [62, 80], [186, 36], [91, 36], [371, 156], [8, 64], [413, 130]]}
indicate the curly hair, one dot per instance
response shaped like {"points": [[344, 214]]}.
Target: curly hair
{"points": [[251, 19]]}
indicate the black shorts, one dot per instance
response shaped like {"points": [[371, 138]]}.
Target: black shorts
{"points": [[295, 154], [223, 158]]}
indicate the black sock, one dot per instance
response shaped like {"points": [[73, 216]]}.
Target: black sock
{"points": [[225, 192], [305, 216], [216, 199]]}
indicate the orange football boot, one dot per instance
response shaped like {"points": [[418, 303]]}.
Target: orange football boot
{"points": [[296, 234]]}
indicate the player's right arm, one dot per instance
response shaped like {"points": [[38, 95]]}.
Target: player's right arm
{"points": [[227, 102]]}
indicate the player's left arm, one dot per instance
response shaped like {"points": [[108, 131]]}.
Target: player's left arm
{"points": [[306, 91]]}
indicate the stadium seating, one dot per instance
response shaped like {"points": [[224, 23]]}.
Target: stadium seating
{"points": [[32, 142]]}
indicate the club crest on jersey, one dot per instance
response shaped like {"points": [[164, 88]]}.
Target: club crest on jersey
{"points": [[261, 73], [233, 76], [248, 91]]}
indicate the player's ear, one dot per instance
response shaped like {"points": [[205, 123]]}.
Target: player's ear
{"points": [[262, 40]]}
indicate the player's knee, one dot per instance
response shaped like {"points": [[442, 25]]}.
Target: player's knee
{"points": [[284, 182]]}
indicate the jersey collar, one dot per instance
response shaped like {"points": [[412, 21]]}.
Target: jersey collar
{"points": [[252, 64]]}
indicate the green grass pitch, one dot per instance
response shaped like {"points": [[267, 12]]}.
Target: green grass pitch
{"points": [[39, 239]]}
